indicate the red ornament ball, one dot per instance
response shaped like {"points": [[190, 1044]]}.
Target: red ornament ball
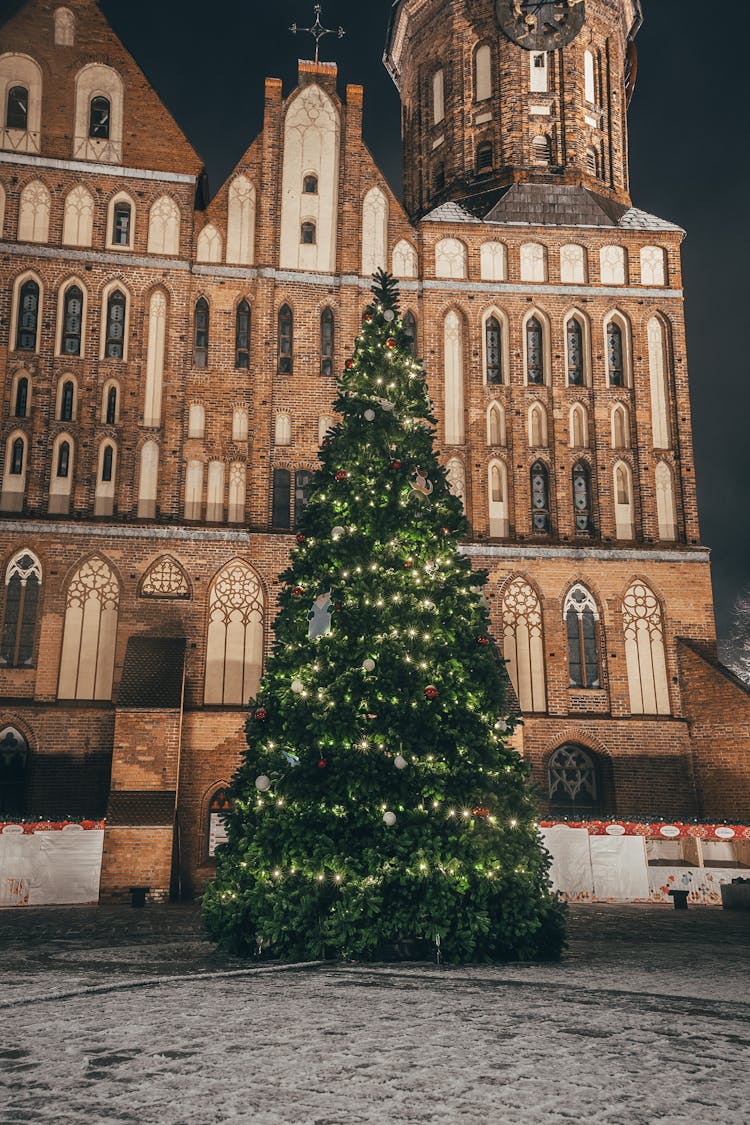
{"points": [[298, 591], [481, 812], [301, 538], [349, 364], [368, 318], [261, 714], [483, 641], [431, 692], [408, 564], [391, 342], [341, 475], [395, 464], [322, 764]]}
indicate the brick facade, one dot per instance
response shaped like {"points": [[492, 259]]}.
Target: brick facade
{"points": [[688, 760]]}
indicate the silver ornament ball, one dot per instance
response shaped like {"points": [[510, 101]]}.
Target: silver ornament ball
{"points": [[263, 783], [389, 818]]}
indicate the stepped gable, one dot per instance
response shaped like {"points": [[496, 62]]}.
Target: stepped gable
{"points": [[151, 138]]}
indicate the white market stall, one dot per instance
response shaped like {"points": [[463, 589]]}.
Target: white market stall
{"points": [[50, 864]]}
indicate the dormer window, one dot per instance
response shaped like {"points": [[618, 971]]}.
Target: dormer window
{"points": [[310, 185], [308, 234], [17, 115], [121, 224], [99, 119]]}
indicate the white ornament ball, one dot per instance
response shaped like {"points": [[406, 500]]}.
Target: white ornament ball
{"points": [[370, 415], [369, 665], [297, 687], [399, 762], [337, 533], [389, 818], [501, 725], [262, 783], [389, 315]]}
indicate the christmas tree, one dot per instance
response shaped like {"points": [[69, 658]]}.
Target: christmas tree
{"points": [[378, 802]]}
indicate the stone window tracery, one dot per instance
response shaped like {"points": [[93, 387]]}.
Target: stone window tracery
{"points": [[374, 232], [523, 643], [90, 632], [241, 222], [78, 219], [450, 258], [164, 227], [456, 479], [33, 213], [581, 617], [23, 582], [65, 26], [210, 246], [234, 646], [533, 262], [644, 651], [573, 265], [404, 260], [653, 266], [613, 265], [493, 261], [14, 759], [572, 778]]}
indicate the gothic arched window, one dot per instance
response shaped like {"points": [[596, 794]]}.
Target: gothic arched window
{"points": [[644, 651], [63, 460], [242, 336], [615, 355], [122, 216], [110, 412], [14, 756], [572, 779], [114, 344], [17, 457], [219, 806], [581, 621], [575, 353], [100, 113], [410, 329], [280, 506], [72, 321], [523, 643], [493, 350], [107, 462], [582, 498], [22, 397], [17, 109], [540, 506], [201, 328], [23, 580], [534, 351], [28, 317], [90, 632], [286, 341], [234, 644], [326, 341], [67, 401]]}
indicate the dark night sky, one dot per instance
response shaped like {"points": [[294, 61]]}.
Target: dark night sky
{"points": [[689, 163]]}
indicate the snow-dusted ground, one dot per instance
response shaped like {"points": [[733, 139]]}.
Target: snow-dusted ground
{"points": [[646, 1020]]}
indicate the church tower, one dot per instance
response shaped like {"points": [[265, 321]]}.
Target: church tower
{"points": [[497, 92]]}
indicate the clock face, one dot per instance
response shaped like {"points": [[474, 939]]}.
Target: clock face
{"points": [[540, 25]]}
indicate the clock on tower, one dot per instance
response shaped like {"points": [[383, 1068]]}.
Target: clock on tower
{"points": [[540, 25]]}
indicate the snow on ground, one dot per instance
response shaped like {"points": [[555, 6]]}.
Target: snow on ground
{"points": [[646, 1021]]}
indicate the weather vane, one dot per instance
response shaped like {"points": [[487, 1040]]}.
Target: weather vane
{"points": [[318, 31]]}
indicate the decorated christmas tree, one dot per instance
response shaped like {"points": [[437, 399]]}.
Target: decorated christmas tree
{"points": [[378, 803]]}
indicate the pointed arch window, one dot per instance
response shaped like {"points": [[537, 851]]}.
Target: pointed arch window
{"points": [[114, 344], [493, 350], [28, 317], [22, 397], [122, 216], [538, 437], [63, 460], [23, 581], [72, 321], [17, 457], [201, 328], [242, 336], [496, 425], [582, 498], [620, 427], [540, 505], [67, 401], [286, 341], [575, 353], [523, 643], [100, 117], [234, 644], [220, 806], [572, 779], [14, 758], [615, 355], [104, 498], [624, 515], [107, 463], [17, 109], [90, 632], [281, 511], [410, 329], [110, 408], [665, 502], [534, 351], [327, 328], [644, 651], [498, 514], [579, 429], [582, 624]]}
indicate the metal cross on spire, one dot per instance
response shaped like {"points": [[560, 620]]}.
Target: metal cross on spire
{"points": [[318, 31]]}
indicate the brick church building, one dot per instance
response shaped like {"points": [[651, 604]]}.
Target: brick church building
{"points": [[168, 365]]}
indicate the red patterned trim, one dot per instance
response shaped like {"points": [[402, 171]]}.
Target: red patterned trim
{"points": [[661, 830], [30, 827]]}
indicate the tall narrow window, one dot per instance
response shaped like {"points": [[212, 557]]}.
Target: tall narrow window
{"points": [[107, 462], [615, 355], [22, 397], [14, 475], [582, 620], [438, 96], [539, 76], [110, 409], [541, 150], [281, 510], [17, 457], [285, 341], [242, 336], [215, 492], [493, 350], [23, 580], [485, 158], [63, 460], [575, 353], [114, 344], [453, 334], [14, 759], [496, 425], [90, 633], [100, 118], [582, 498], [410, 328], [72, 321], [104, 497], [620, 426], [483, 73], [326, 341], [540, 507], [665, 505], [308, 234], [657, 367], [538, 437], [148, 483], [499, 522], [624, 516], [589, 81], [67, 401], [591, 162], [121, 224], [17, 109], [200, 340], [523, 643], [302, 480], [534, 351], [234, 644], [61, 484], [28, 317], [644, 651], [579, 427]]}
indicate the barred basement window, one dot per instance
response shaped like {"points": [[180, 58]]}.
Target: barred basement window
{"points": [[114, 346], [581, 621], [326, 341], [72, 321], [615, 355], [534, 351], [310, 185], [307, 237], [99, 118], [281, 513], [200, 340], [121, 219], [22, 397], [493, 349], [572, 778], [285, 341], [575, 353], [410, 329], [582, 498], [484, 156], [17, 109], [28, 317], [540, 507], [242, 336], [23, 580]]}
